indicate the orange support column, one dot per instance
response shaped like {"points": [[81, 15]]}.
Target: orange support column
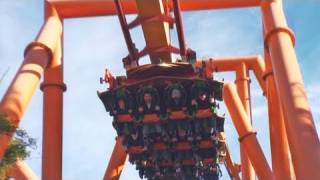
{"points": [[53, 88], [156, 33], [116, 162], [21, 171], [242, 82], [247, 136], [281, 158], [37, 57], [302, 135], [231, 167]]}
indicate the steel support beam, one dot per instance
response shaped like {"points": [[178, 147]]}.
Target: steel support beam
{"points": [[280, 153], [21, 171], [232, 168], [243, 88], [302, 134], [116, 162], [247, 135], [86, 8], [156, 33], [37, 57], [53, 88]]}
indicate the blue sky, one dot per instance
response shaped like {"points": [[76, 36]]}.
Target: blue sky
{"points": [[91, 44]]}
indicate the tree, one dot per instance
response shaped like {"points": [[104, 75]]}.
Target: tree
{"points": [[19, 147]]}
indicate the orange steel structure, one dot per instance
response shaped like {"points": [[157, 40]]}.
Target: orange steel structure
{"points": [[21, 171], [295, 146]]}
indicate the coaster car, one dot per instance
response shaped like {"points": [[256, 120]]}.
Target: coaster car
{"points": [[167, 116]]}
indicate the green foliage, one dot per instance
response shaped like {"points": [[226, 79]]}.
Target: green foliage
{"points": [[18, 148], [5, 125]]}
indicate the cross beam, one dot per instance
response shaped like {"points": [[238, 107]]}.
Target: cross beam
{"points": [[85, 8]]}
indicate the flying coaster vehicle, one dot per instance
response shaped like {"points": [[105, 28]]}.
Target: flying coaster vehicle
{"points": [[166, 113], [168, 123]]}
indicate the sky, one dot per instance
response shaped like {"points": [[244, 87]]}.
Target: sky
{"points": [[92, 44]]}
